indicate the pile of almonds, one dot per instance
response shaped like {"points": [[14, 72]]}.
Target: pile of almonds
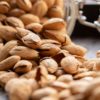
{"points": [[38, 60]]}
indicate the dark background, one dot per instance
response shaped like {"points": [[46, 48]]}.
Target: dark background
{"points": [[86, 36]]}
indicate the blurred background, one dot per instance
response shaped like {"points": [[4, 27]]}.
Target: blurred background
{"points": [[87, 36]]}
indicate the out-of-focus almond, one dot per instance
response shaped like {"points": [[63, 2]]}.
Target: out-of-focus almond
{"points": [[4, 7], [65, 78], [16, 12], [5, 77], [55, 12], [24, 88], [59, 86], [39, 8], [98, 54], [59, 3], [2, 17], [50, 3], [24, 4], [35, 27], [29, 18], [85, 74], [44, 92]]}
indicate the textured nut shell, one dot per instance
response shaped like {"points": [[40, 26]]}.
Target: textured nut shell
{"points": [[14, 22], [54, 24], [50, 64], [21, 32], [48, 49], [70, 64], [32, 40], [24, 52], [9, 63], [23, 66], [8, 33], [35, 27], [75, 49], [4, 52], [57, 35]]}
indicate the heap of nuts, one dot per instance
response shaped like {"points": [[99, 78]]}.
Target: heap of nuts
{"points": [[38, 60]]}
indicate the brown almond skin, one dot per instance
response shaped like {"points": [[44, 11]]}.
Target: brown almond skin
{"points": [[8, 33], [14, 22], [85, 74], [24, 88], [7, 76], [56, 12], [16, 12], [70, 64], [23, 66], [50, 64], [39, 8], [66, 78], [44, 41], [35, 27], [24, 52], [1, 46], [4, 52], [32, 40], [54, 24], [50, 3], [24, 4], [57, 35], [29, 75], [21, 32], [49, 49], [2, 17], [29, 18], [44, 92], [4, 7], [59, 3], [75, 49], [9, 63]]}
